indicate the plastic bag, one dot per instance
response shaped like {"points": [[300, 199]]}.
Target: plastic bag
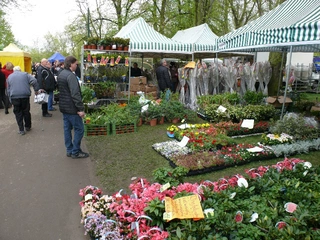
{"points": [[41, 98]]}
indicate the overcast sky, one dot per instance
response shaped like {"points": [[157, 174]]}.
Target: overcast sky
{"points": [[31, 24]]}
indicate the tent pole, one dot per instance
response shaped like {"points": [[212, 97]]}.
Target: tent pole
{"points": [[279, 84], [287, 80], [254, 57], [88, 23], [216, 62]]}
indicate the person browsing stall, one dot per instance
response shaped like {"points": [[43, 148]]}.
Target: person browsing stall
{"points": [[72, 108]]}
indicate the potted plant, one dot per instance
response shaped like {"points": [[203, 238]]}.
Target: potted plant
{"points": [[126, 43], [93, 41], [174, 110], [108, 43], [101, 44], [152, 114]]}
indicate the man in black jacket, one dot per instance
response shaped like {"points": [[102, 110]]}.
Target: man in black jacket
{"points": [[72, 108], [163, 76], [46, 81]]}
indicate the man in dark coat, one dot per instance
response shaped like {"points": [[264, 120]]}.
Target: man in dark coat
{"points": [[72, 108], [47, 82], [163, 76]]}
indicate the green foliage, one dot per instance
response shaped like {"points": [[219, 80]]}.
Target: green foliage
{"points": [[6, 34], [220, 99], [172, 176], [254, 98], [119, 115], [105, 89], [154, 111], [155, 210], [174, 109], [237, 113], [296, 126], [87, 94]]}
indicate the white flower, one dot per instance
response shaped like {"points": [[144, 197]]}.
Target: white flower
{"points": [[232, 195], [254, 217], [243, 183], [209, 212]]}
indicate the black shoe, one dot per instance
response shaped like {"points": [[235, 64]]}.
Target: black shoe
{"points": [[47, 115], [7, 112], [68, 154], [28, 129], [80, 155]]}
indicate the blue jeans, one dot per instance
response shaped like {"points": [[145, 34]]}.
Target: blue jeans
{"points": [[73, 122], [50, 101]]}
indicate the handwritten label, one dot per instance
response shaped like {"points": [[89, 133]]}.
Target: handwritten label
{"points": [[183, 208]]}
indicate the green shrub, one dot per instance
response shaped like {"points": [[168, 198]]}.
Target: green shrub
{"points": [[254, 98], [296, 126]]}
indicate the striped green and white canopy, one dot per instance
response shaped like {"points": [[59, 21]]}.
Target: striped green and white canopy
{"points": [[294, 23], [144, 39], [201, 37]]}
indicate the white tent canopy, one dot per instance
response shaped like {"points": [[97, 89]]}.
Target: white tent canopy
{"points": [[202, 38], [293, 23], [147, 41]]}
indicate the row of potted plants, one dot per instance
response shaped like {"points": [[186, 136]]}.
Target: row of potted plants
{"points": [[107, 43], [135, 110], [268, 202]]}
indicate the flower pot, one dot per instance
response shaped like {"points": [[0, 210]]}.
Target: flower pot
{"points": [[93, 46], [120, 48], [161, 120], [126, 48], [85, 46], [108, 47], [170, 134], [175, 120], [153, 122]]}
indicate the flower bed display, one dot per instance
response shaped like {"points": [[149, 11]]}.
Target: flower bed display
{"points": [[235, 129], [208, 161], [96, 130], [273, 202]]}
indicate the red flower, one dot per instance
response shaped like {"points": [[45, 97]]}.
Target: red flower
{"points": [[239, 217]]}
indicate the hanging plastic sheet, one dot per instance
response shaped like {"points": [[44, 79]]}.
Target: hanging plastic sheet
{"points": [[267, 76], [205, 77], [192, 82], [182, 81]]}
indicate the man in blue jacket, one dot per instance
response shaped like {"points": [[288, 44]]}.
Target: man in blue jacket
{"points": [[19, 95], [72, 108]]}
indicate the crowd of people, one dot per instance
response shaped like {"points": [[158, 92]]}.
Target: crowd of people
{"points": [[15, 90]]}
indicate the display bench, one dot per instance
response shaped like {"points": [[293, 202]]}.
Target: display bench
{"points": [[106, 71]]}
